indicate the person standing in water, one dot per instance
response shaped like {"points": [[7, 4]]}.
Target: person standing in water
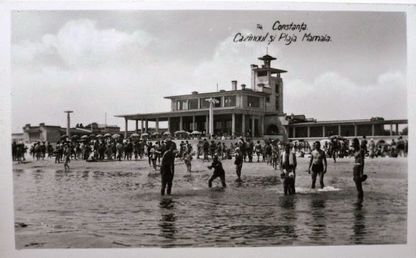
{"points": [[288, 165], [167, 170], [67, 153], [218, 172], [238, 163], [187, 158], [317, 164], [358, 174]]}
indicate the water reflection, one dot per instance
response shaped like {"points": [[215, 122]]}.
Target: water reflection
{"points": [[288, 205], [359, 227], [38, 175], [167, 221], [317, 207]]}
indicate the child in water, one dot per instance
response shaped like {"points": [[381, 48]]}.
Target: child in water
{"points": [[67, 153], [218, 171], [187, 159]]}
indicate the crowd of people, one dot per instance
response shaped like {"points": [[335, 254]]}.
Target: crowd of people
{"points": [[162, 154]]}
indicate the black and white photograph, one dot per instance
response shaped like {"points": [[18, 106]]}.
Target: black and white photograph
{"points": [[207, 128]]}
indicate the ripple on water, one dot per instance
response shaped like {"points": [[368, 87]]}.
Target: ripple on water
{"points": [[124, 205]]}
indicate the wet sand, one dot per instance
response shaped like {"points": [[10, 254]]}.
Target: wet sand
{"points": [[118, 204]]}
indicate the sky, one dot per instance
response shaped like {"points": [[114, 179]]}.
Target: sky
{"points": [[125, 62]]}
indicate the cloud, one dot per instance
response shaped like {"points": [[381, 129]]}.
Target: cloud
{"points": [[79, 43], [333, 96], [91, 70], [231, 61], [329, 95]]}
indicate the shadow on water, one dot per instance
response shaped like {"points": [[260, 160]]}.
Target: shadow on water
{"points": [[317, 207], [167, 222], [359, 228]]}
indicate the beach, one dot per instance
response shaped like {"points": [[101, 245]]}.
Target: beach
{"points": [[118, 204]]}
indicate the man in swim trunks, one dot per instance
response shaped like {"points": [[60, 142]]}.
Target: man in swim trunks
{"points": [[317, 164]]}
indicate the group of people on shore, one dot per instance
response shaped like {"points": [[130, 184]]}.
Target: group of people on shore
{"points": [[341, 147], [163, 154]]}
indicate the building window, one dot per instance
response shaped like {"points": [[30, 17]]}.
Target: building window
{"points": [[218, 103], [277, 89], [253, 101], [193, 104], [181, 105], [261, 73], [229, 101], [268, 99], [205, 103]]}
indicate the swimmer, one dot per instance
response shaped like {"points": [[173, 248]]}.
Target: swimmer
{"points": [[317, 164]]}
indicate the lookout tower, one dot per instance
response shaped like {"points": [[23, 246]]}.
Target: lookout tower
{"points": [[268, 80]]}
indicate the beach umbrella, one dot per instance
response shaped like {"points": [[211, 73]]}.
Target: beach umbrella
{"points": [[107, 135], [74, 136], [99, 135], [180, 132], [84, 137], [156, 133], [196, 132], [115, 136], [381, 142], [134, 135], [145, 134], [92, 135], [166, 133]]}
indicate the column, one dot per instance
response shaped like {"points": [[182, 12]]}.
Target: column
{"points": [[233, 124], [243, 125], [206, 125], [169, 124], [397, 129], [137, 126], [339, 130], [323, 131], [262, 125], [125, 127], [142, 121], [372, 130], [147, 126], [294, 132], [309, 131], [391, 129], [68, 125], [355, 130], [193, 123], [180, 123], [157, 125], [252, 126]]}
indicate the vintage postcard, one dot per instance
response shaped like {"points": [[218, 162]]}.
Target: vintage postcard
{"points": [[151, 130]]}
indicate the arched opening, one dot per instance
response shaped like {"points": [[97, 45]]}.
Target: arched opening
{"points": [[272, 130]]}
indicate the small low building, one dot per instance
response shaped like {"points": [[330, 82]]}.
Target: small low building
{"points": [[18, 138], [42, 133]]}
